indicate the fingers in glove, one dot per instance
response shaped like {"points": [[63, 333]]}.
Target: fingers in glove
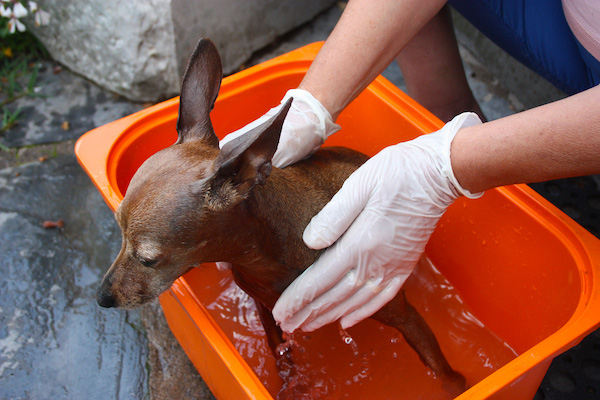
{"points": [[375, 304], [347, 294], [363, 295], [335, 218], [330, 270], [330, 299], [313, 291], [343, 265]]}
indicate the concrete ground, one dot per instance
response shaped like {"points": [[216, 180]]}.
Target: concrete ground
{"points": [[56, 343]]}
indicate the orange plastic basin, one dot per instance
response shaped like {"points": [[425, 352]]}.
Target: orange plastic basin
{"points": [[527, 270]]}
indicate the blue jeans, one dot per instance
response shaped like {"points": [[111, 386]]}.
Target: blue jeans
{"points": [[536, 33]]}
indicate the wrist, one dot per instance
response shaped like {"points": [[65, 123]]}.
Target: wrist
{"points": [[452, 167], [465, 176], [466, 149], [333, 107]]}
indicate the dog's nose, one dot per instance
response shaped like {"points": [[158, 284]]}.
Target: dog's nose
{"points": [[105, 298]]}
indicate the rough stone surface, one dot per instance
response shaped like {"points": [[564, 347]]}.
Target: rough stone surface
{"points": [[238, 27], [64, 107], [55, 342], [51, 330], [139, 49], [125, 46], [172, 375]]}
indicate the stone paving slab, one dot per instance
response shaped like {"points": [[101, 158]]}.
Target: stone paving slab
{"points": [[64, 107], [55, 342]]}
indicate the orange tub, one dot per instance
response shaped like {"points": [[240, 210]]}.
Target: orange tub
{"points": [[525, 269]]}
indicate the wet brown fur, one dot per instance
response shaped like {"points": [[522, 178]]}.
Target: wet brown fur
{"points": [[192, 203]]}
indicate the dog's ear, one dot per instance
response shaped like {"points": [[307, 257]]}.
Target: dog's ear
{"points": [[199, 90], [246, 161]]}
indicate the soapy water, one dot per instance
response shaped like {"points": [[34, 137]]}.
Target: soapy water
{"points": [[369, 360]]}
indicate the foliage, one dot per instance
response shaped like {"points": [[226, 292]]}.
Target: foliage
{"points": [[20, 56]]}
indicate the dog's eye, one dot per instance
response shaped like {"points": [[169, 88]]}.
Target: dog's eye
{"points": [[147, 262]]}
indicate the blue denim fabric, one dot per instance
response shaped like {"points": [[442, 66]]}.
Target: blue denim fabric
{"points": [[536, 33]]}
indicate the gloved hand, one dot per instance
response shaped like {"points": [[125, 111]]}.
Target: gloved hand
{"points": [[304, 130], [377, 226]]}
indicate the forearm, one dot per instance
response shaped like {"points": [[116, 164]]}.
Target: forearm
{"points": [[367, 38], [557, 140]]}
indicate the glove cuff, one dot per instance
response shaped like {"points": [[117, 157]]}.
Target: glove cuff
{"points": [[326, 126], [463, 120]]}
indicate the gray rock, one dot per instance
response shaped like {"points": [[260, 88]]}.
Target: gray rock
{"points": [[139, 49], [127, 47]]}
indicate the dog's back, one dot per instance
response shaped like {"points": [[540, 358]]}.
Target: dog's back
{"points": [[322, 175], [329, 167], [283, 207]]}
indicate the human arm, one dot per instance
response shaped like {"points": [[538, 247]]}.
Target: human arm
{"points": [[371, 255], [556, 140], [367, 38]]}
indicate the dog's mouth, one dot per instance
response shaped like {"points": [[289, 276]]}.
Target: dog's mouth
{"points": [[129, 304], [129, 293], [132, 305], [111, 300]]}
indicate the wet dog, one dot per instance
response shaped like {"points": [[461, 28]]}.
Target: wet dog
{"points": [[192, 203]]}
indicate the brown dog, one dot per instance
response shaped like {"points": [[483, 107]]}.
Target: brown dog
{"points": [[191, 203]]}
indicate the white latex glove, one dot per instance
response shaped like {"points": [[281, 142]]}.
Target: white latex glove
{"points": [[377, 226], [304, 130]]}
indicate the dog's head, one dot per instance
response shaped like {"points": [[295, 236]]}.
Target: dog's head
{"points": [[182, 203]]}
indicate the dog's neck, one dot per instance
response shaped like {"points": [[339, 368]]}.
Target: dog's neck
{"points": [[270, 243]]}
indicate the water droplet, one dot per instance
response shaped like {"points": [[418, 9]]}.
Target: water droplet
{"points": [[348, 340]]}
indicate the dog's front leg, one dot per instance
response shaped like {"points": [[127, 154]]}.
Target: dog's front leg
{"points": [[399, 313], [273, 332]]}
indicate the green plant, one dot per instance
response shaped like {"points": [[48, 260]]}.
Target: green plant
{"points": [[18, 44], [9, 118], [17, 79], [20, 53]]}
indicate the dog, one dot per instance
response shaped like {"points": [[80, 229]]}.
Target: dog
{"points": [[193, 203]]}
